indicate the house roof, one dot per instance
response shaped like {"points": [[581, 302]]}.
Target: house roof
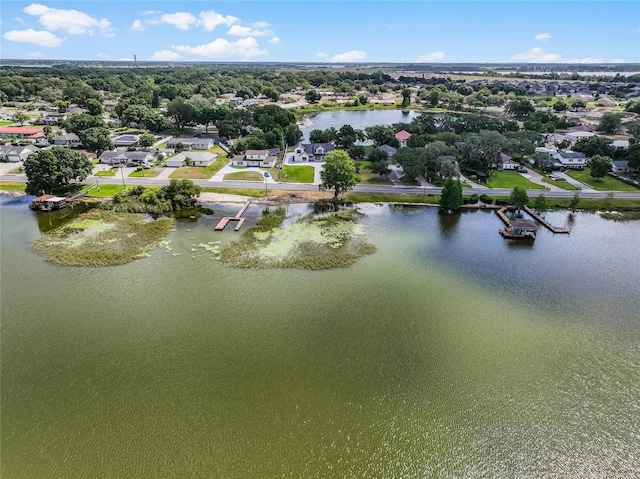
{"points": [[389, 149], [505, 157], [620, 163], [403, 135], [310, 148], [574, 155], [25, 130], [196, 156]]}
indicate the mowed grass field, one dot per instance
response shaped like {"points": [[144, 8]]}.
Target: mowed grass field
{"points": [[200, 172], [604, 184], [511, 179]]}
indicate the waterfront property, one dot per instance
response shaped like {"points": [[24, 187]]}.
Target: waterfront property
{"points": [[192, 158], [260, 158], [311, 151]]}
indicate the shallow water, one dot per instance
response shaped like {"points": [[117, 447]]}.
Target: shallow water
{"points": [[448, 353]]}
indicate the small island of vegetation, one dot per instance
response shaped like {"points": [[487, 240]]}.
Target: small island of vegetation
{"points": [[317, 242]]}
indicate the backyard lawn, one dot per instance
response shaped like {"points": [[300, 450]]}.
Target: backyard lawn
{"points": [[511, 179], [604, 184], [12, 186], [200, 172], [368, 177], [244, 175]]}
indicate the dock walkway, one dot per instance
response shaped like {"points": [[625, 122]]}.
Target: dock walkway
{"points": [[546, 224], [238, 217]]}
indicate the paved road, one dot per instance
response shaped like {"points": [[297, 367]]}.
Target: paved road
{"points": [[429, 190]]}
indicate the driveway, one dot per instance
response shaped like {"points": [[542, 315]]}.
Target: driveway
{"points": [[537, 178], [5, 168], [219, 176], [316, 165]]}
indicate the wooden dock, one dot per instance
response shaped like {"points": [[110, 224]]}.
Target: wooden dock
{"points": [[546, 224], [238, 217]]}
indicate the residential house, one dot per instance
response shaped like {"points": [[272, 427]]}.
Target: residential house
{"points": [[191, 143], [624, 144], [574, 136], [191, 158], [570, 159], [260, 158], [69, 140], [389, 149], [311, 151], [53, 119], [125, 141], [506, 162], [127, 158], [24, 132], [402, 137], [606, 101], [620, 166], [13, 154]]}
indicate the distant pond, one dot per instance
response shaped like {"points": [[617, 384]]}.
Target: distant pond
{"points": [[359, 119]]}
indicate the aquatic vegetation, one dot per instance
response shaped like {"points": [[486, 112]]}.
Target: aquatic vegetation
{"points": [[329, 241], [101, 238]]}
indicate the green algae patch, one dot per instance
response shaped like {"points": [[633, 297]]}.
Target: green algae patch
{"points": [[315, 242], [102, 238]]}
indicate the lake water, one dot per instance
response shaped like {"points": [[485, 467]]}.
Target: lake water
{"points": [[358, 119], [448, 353]]}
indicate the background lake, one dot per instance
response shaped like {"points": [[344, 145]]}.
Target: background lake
{"points": [[358, 119], [448, 353]]}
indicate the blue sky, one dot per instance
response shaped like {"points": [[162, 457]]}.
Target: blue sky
{"points": [[324, 31]]}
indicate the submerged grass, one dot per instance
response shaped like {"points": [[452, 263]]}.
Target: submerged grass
{"points": [[330, 241], [102, 238]]}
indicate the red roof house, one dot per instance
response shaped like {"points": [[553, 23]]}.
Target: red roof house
{"points": [[402, 137]]}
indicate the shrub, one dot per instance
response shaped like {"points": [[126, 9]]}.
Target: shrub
{"points": [[486, 199], [473, 199]]}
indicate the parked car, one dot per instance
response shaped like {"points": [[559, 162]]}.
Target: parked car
{"points": [[146, 165]]}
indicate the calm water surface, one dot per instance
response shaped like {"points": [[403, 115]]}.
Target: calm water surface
{"points": [[358, 119], [448, 353]]}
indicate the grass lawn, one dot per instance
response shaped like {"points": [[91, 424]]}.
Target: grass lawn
{"points": [[12, 186], [363, 164], [15, 171], [110, 172], [565, 185], [393, 198], [297, 174], [368, 177], [254, 193], [106, 190], [5, 123], [244, 175], [511, 179], [604, 184], [150, 173], [200, 172]]}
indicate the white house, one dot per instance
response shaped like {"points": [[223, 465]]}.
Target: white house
{"points": [[191, 158], [574, 136], [128, 158], [260, 158], [620, 166], [571, 159], [402, 137], [311, 151], [191, 143]]}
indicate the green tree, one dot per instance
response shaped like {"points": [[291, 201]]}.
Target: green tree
{"points": [[578, 104], [181, 192], [560, 105], [600, 165], [633, 156], [610, 122], [20, 117], [541, 204], [451, 196], [339, 173], [96, 139], [519, 197], [595, 145], [146, 140], [52, 171], [573, 205], [81, 121], [633, 129], [181, 112], [406, 97], [312, 96], [94, 107], [520, 107]]}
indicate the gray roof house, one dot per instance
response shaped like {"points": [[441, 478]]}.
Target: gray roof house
{"points": [[70, 139], [128, 158], [571, 159], [261, 158], [311, 151], [389, 149], [126, 140], [191, 158], [191, 143], [13, 154]]}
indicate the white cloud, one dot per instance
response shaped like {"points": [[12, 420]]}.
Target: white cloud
{"points": [[542, 36], [618, 60], [540, 55], [322, 55], [352, 56], [238, 31], [245, 48], [274, 41], [165, 56], [102, 55], [36, 54], [430, 57], [261, 25], [137, 26], [211, 19], [41, 37], [149, 12], [125, 59], [180, 20], [73, 22]]}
